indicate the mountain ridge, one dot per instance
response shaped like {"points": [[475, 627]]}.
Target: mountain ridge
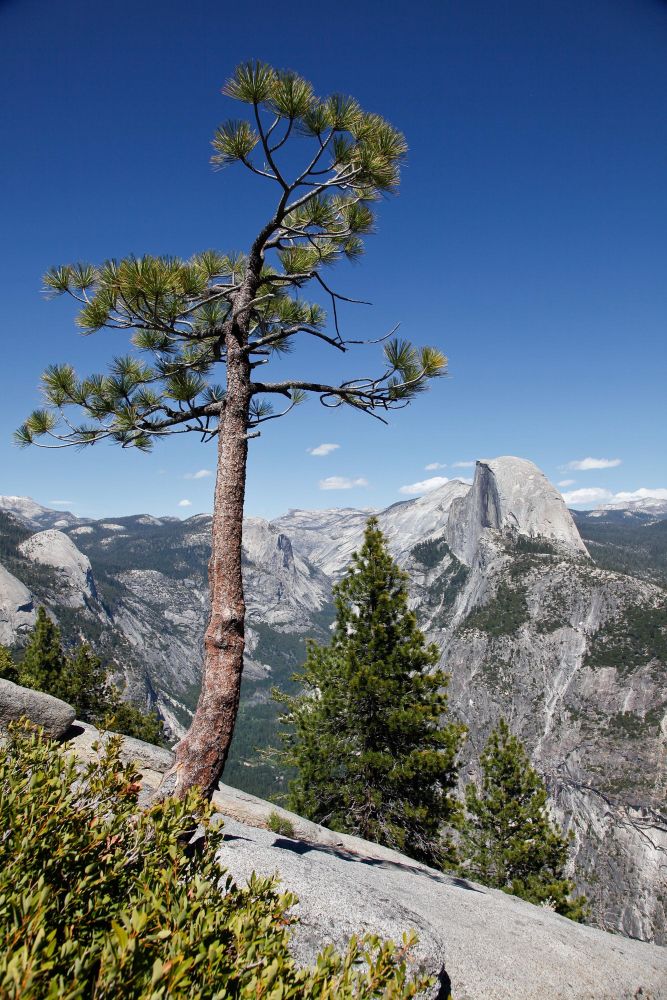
{"points": [[530, 627]]}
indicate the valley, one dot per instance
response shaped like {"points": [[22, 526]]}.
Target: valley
{"points": [[555, 621]]}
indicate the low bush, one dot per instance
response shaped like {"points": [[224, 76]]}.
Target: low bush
{"points": [[101, 899], [280, 824]]}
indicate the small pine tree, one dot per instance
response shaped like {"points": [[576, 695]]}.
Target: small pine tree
{"points": [[43, 661], [8, 669], [508, 838], [366, 735], [85, 685], [124, 717], [82, 681]]}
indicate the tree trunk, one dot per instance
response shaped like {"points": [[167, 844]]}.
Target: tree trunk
{"points": [[201, 754]]}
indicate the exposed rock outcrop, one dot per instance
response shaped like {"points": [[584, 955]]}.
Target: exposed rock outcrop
{"points": [[17, 610], [16, 702], [55, 549], [478, 943], [512, 497]]}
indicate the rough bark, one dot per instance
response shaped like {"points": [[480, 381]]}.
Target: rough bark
{"points": [[200, 756]]}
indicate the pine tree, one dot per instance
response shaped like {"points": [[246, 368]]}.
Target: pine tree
{"points": [[43, 661], [124, 717], [84, 683], [509, 840], [366, 734], [200, 328], [8, 669]]}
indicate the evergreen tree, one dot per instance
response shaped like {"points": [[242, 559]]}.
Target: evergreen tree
{"points": [[8, 669], [366, 735], [82, 681], [44, 661], [509, 839], [126, 718], [200, 328]]}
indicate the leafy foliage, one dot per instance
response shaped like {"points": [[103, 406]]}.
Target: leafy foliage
{"points": [[81, 680], [366, 735], [8, 669], [98, 898], [280, 824], [508, 839]]}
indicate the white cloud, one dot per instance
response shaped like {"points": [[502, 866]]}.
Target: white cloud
{"points": [[185, 503], [567, 482], [434, 466], [322, 449], [62, 503], [425, 486], [201, 474], [641, 494], [586, 464], [589, 494], [463, 465], [342, 483]]}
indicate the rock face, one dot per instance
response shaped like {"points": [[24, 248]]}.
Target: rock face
{"points": [[512, 497], [477, 943], [530, 628], [17, 611], [55, 549], [52, 714], [480, 943]]}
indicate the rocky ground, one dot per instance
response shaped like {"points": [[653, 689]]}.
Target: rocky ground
{"points": [[476, 942]]}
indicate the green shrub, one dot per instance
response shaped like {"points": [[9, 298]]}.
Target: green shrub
{"points": [[280, 824], [100, 899], [8, 669]]}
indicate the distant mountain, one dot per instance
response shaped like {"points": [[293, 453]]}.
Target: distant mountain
{"points": [[533, 622], [649, 505], [35, 516]]}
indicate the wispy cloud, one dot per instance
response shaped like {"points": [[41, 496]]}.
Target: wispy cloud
{"points": [[589, 494], [567, 482], [434, 466], [62, 503], [463, 465], [595, 494], [322, 449], [425, 486], [185, 503], [641, 494], [201, 474], [586, 464], [342, 483]]}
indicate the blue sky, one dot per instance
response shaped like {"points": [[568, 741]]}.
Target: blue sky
{"points": [[528, 240]]}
